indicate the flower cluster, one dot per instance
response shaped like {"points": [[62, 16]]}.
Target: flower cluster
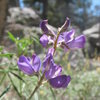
{"points": [[65, 38], [51, 71]]}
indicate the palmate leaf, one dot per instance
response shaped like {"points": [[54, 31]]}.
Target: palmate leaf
{"points": [[5, 91]]}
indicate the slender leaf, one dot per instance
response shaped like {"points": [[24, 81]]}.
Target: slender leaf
{"points": [[11, 37], [5, 91], [8, 55], [53, 94], [36, 40], [14, 85], [17, 76], [2, 79]]}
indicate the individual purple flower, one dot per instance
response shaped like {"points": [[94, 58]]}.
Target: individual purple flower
{"points": [[28, 65], [44, 40], [72, 43], [53, 73], [48, 35], [44, 27], [61, 81]]}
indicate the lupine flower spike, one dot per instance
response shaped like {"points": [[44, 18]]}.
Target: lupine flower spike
{"points": [[51, 71]]}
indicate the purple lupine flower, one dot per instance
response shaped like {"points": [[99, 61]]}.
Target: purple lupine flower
{"points": [[60, 81], [44, 27], [53, 73], [28, 65], [44, 40], [48, 35], [69, 42]]}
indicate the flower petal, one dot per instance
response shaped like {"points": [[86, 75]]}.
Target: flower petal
{"points": [[60, 39], [50, 51], [46, 62], [43, 26], [60, 81], [69, 36], [53, 71], [36, 63], [78, 42], [44, 40], [65, 25], [25, 66]]}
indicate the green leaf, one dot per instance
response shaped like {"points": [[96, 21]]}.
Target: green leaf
{"points": [[7, 55], [5, 91], [11, 37], [53, 94], [15, 88], [36, 40], [1, 81], [17, 76]]}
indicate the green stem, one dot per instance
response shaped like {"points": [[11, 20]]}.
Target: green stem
{"points": [[55, 44], [53, 93], [38, 85]]}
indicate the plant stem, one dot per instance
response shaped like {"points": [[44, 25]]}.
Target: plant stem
{"points": [[53, 93], [41, 79], [55, 44], [38, 85]]}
